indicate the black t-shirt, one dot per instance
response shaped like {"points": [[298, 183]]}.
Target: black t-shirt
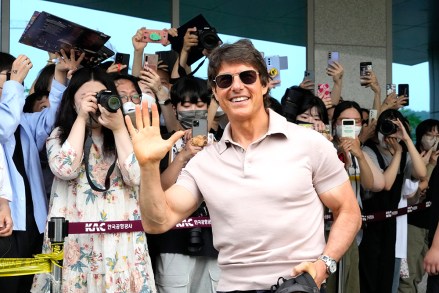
{"points": [[432, 193]]}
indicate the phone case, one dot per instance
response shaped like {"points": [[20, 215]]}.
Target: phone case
{"points": [[324, 91], [348, 128], [390, 88], [199, 127], [122, 58], [273, 66], [373, 114], [333, 56], [309, 74], [403, 90], [155, 36], [150, 61]]}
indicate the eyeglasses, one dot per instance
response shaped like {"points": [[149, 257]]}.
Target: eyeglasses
{"points": [[136, 99], [225, 80]]}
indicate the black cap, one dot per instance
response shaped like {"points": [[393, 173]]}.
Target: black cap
{"points": [[177, 42]]}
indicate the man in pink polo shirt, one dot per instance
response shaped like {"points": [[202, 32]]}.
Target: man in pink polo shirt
{"points": [[265, 183]]}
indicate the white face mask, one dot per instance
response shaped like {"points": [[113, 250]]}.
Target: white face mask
{"points": [[338, 130], [129, 107], [149, 98], [428, 142]]}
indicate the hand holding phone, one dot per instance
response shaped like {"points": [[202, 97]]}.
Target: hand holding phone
{"points": [[123, 59], [155, 36], [273, 67]]}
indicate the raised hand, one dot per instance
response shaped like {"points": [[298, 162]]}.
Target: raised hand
{"points": [[148, 145], [138, 43], [20, 68]]}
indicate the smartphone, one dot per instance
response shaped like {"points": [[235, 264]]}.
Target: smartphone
{"points": [[122, 58], [323, 91], [199, 127], [364, 67], [310, 75], [403, 90], [273, 67], [155, 36], [333, 56], [390, 88], [348, 128], [150, 61], [373, 115]]}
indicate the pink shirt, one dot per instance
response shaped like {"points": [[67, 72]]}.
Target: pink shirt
{"points": [[263, 202]]}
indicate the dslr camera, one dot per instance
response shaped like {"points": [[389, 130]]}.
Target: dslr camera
{"points": [[387, 127], [109, 101], [207, 38]]}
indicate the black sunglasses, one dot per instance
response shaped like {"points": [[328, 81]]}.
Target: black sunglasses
{"points": [[225, 80]]}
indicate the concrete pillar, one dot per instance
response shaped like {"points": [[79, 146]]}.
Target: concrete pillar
{"points": [[4, 25], [361, 31], [434, 61]]}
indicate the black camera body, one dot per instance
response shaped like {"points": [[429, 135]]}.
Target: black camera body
{"points": [[207, 38], [387, 127], [109, 101]]}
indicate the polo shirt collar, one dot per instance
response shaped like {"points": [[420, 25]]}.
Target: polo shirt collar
{"points": [[276, 125]]}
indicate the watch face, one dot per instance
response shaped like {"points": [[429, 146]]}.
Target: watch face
{"points": [[333, 267]]}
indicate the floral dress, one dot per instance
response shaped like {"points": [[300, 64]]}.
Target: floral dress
{"points": [[106, 262]]}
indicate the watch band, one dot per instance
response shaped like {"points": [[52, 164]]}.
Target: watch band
{"points": [[164, 102], [331, 264]]}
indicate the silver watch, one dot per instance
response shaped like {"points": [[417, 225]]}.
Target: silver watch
{"points": [[331, 264]]}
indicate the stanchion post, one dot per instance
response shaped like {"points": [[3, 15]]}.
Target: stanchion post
{"points": [[341, 276], [57, 231]]}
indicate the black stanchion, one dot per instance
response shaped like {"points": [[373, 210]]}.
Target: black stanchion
{"points": [[57, 231]]}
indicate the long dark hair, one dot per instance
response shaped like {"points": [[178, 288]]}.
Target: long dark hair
{"points": [[424, 127], [66, 115], [344, 106]]}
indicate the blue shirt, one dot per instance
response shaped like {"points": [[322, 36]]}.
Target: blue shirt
{"points": [[35, 128]]}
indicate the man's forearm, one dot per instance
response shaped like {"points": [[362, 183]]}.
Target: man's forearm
{"points": [[343, 232], [152, 199]]}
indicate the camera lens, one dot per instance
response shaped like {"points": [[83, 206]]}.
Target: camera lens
{"points": [[114, 103], [196, 123], [208, 38], [387, 127]]}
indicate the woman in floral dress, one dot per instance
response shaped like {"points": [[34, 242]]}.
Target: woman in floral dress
{"points": [[101, 262]]}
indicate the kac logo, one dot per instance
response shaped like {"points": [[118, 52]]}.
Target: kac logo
{"points": [[94, 227]]}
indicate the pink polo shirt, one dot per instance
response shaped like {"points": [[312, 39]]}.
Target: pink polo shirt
{"points": [[263, 202]]}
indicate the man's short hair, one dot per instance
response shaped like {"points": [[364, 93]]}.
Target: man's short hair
{"points": [[240, 52], [190, 87]]}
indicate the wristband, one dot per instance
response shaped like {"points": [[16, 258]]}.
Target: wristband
{"points": [[164, 102]]}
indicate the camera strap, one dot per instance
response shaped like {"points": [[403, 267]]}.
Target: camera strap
{"points": [[198, 67], [87, 147]]}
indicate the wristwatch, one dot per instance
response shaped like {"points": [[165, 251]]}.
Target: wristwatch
{"points": [[331, 264], [163, 102]]}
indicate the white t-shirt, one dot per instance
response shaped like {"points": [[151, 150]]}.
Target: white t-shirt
{"points": [[5, 185]]}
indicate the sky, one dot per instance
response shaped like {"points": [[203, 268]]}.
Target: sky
{"points": [[22, 10]]}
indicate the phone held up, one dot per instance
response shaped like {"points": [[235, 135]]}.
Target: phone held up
{"points": [[150, 61], [155, 36], [373, 115], [199, 127], [333, 56], [123, 59], [324, 91], [348, 128], [403, 90], [364, 68]]}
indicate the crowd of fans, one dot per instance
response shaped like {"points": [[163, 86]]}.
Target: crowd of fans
{"points": [[65, 152]]}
